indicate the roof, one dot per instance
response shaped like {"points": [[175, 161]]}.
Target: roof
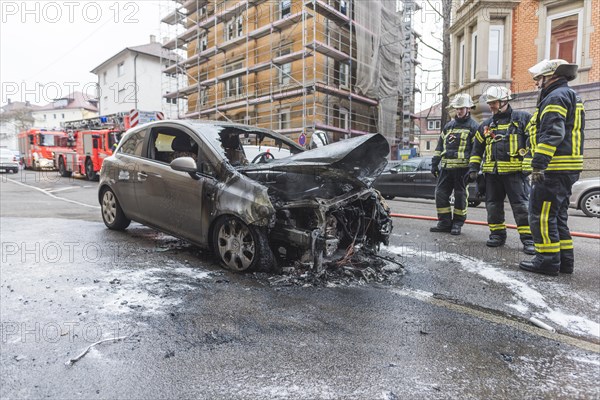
{"points": [[75, 100], [435, 111], [19, 105], [154, 49]]}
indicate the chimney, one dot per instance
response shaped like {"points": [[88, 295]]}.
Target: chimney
{"points": [[152, 39], [9, 101], [27, 103]]}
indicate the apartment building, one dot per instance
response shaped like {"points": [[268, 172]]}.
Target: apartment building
{"points": [[495, 42], [290, 65], [72, 107]]}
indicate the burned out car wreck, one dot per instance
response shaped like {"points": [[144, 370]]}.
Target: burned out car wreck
{"points": [[191, 179]]}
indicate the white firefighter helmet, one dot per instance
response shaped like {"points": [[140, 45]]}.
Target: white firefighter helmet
{"points": [[497, 93], [554, 67], [462, 100]]}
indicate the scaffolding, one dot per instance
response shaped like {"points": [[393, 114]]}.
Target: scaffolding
{"points": [[292, 66]]}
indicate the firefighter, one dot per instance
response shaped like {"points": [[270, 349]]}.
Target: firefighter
{"points": [[557, 159], [501, 142], [452, 151]]}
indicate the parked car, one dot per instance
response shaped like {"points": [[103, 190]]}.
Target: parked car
{"points": [[413, 178], [8, 161], [586, 196], [193, 180]]}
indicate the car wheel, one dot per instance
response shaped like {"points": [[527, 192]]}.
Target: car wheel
{"points": [[90, 174], [62, 169], [112, 214], [388, 197], [474, 203], [590, 204], [240, 247]]}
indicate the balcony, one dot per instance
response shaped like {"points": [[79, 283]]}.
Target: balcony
{"points": [[325, 9]]}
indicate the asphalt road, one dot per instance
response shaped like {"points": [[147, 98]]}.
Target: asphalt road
{"points": [[453, 325]]}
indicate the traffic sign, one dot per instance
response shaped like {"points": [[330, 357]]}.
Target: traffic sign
{"points": [[302, 139]]}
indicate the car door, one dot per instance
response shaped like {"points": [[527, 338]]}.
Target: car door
{"points": [[170, 200], [425, 181], [409, 177], [124, 172]]}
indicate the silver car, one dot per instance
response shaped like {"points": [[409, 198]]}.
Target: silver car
{"points": [[586, 196], [8, 161], [193, 180]]}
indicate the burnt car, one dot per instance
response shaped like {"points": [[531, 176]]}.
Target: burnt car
{"points": [[413, 178], [192, 179]]}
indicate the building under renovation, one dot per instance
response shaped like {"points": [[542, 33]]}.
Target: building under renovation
{"points": [[294, 66]]}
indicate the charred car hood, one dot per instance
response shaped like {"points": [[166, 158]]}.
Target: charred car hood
{"points": [[358, 159]]}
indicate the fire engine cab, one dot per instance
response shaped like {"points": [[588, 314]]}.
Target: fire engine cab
{"points": [[91, 140], [38, 147]]}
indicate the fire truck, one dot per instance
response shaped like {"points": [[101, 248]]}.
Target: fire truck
{"points": [[91, 140], [38, 147]]}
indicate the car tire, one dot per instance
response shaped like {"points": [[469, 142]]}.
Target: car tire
{"points": [[240, 247], [388, 197], [590, 204], [62, 169], [474, 203], [90, 174], [113, 216]]}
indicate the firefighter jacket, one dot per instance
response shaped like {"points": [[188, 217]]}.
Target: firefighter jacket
{"points": [[501, 143], [455, 143], [556, 131]]}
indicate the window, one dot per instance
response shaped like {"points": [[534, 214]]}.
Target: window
{"points": [[284, 119], [285, 74], [344, 75], [62, 116], [233, 87], [285, 7], [104, 78], [54, 116], [434, 124], [343, 119], [461, 60], [202, 43], [344, 7], [563, 36], [202, 11], [234, 28], [473, 55], [121, 69], [428, 145], [203, 97], [133, 145], [496, 48]]}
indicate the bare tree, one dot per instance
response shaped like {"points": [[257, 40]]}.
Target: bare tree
{"points": [[20, 117]]}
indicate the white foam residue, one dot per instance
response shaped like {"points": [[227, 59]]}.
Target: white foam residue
{"points": [[527, 294], [574, 323]]}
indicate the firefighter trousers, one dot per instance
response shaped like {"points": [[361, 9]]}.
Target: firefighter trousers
{"points": [[516, 187], [451, 179], [548, 219]]}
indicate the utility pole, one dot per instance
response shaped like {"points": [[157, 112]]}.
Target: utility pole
{"points": [[447, 14]]}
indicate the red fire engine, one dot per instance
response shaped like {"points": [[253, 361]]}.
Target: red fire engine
{"points": [[91, 140], [38, 146]]}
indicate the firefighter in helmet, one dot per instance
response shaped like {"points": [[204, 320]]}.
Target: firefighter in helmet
{"points": [[556, 138], [452, 152], [500, 143]]}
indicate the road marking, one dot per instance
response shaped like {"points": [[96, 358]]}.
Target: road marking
{"points": [[59, 190], [53, 196], [497, 319]]}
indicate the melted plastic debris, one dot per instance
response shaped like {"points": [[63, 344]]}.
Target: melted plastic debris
{"points": [[354, 269]]}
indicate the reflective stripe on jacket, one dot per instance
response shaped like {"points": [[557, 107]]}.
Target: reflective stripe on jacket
{"points": [[455, 143], [501, 143], [557, 132]]}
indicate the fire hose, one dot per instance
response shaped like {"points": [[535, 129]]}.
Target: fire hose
{"points": [[511, 226]]}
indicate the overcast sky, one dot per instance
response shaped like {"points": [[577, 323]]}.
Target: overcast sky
{"points": [[47, 48], [57, 43]]}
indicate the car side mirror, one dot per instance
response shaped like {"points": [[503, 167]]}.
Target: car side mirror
{"points": [[185, 164]]}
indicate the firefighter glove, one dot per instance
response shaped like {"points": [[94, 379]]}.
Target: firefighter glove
{"points": [[471, 176], [537, 176], [435, 171]]}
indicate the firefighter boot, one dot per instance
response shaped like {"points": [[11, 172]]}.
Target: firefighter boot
{"points": [[528, 247], [546, 265], [455, 229], [496, 240], [567, 261], [441, 226]]}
